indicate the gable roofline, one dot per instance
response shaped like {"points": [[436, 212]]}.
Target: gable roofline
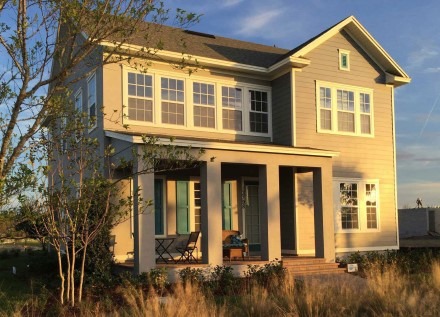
{"points": [[394, 73], [269, 62]]}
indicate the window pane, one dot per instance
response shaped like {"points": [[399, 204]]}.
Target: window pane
{"points": [[348, 197], [345, 121], [258, 116], [232, 120], [140, 103], [172, 93], [365, 124], [204, 102], [326, 119], [371, 209]]}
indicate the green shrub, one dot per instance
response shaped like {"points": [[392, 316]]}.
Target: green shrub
{"points": [[192, 276], [269, 275]]}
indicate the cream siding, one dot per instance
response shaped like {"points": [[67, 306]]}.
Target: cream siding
{"points": [[360, 157]]}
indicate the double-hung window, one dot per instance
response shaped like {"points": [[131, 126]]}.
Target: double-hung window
{"points": [[91, 100], [344, 109], [232, 105], [140, 97], [204, 105], [357, 205], [173, 101], [259, 111]]}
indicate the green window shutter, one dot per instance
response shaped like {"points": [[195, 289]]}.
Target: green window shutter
{"points": [[158, 207], [182, 204], [227, 207]]}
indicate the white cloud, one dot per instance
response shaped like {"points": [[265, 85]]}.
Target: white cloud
{"points": [[432, 70], [254, 24], [419, 57], [231, 3]]}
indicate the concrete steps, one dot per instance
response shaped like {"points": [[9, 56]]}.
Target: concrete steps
{"points": [[311, 266]]}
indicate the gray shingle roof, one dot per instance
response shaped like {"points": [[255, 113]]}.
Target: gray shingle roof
{"points": [[216, 47]]}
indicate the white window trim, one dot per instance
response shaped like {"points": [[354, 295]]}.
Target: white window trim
{"points": [[192, 206], [189, 104], [342, 52], [92, 76], [362, 213], [334, 109]]}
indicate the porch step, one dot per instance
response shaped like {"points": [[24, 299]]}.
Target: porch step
{"points": [[311, 266]]}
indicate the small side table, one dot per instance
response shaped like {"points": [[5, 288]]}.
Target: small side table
{"points": [[163, 245]]}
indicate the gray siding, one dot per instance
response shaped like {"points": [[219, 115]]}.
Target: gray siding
{"points": [[282, 110]]}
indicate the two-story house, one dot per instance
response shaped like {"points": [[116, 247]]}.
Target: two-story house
{"points": [[299, 145]]}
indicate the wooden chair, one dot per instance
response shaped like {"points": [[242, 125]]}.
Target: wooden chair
{"points": [[186, 252]]}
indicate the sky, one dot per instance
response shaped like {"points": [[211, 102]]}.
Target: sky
{"points": [[408, 30]]}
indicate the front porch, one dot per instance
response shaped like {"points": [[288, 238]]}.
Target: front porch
{"points": [[281, 202]]}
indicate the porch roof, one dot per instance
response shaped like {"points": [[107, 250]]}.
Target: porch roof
{"points": [[226, 145]]}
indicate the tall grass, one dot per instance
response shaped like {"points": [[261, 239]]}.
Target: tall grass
{"points": [[386, 291]]}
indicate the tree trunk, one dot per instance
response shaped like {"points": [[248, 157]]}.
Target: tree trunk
{"points": [[60, 272], [81, 278]]}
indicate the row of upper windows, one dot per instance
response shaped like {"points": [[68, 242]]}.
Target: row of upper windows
{"points": [[158, 99], [341, 109]]}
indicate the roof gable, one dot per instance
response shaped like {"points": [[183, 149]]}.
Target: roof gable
{"points": [[394, 73]]}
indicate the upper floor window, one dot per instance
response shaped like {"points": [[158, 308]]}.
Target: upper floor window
{"points": [[140, 97], [204, 105], [357, 205], [232, 105], [173, 101], [259, 112], [344, 59], [91, 100], [344, 109], [158, 99]]}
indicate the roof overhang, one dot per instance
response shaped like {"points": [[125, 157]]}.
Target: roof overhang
{"points": [[242, 147]]}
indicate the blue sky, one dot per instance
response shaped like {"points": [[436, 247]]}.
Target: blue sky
{"points": [[408, 30]]}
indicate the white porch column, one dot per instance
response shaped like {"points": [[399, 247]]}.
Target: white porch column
{"points": [[211, 192], [144, 234], [269, 201], [324, 219]]}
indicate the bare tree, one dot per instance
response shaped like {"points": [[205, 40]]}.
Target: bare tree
{"points": [[80, 201], [41, 44]]}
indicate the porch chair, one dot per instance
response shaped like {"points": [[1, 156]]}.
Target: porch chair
{"points": [[186, 252]]}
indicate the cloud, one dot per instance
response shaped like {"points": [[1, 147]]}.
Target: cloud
{"points": [[419, 57], [432, 70], [254, 24], [231, 3]]}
